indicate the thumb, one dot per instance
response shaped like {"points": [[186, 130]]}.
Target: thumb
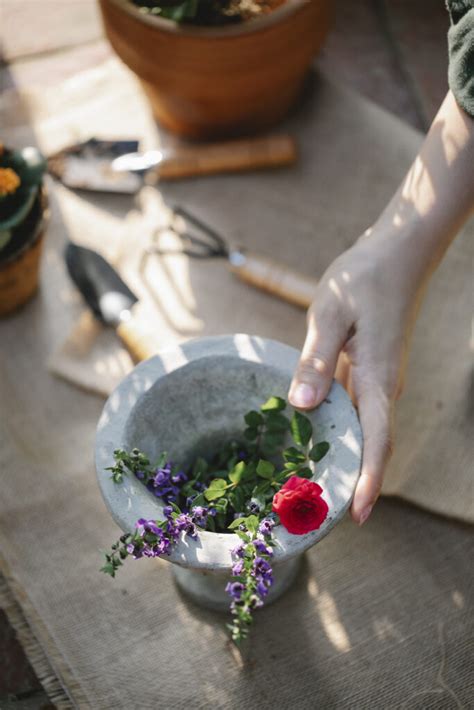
{"points": [[314, 374]]}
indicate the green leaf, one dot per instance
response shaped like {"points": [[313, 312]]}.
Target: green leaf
{"points": [[161, 460], [273, 439], [217, 489], [235, 523], [277, 422], [273, 404], [304, 473], [300, 472], [218, 483], [251, 433], [251, 523], [319, 451], [108, 568], [237, 499], [265, 469], [243, 535], [213, 493], [237, 472], [261, 489], [280, 476], [249, 472], [182, 11], [293, 455], [200, 468], [253, 419], [301, 429], [221, 505]]}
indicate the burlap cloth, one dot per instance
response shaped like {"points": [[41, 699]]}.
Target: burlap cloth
{"points": [[380, 617]]}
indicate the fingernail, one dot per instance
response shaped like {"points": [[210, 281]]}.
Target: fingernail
{"points": [[304, 395], [365, 514]]}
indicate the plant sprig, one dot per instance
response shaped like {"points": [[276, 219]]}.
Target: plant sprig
{"points": [[232, 492]]}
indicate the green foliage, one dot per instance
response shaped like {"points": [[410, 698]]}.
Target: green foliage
{"points": [[199, 12], [301, 429], [134, 462], [242, 477], [15, 205], [319, 451], [265, 469], [239, 482], [274, 404]]}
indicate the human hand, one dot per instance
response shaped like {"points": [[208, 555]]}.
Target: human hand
{"points": [[358, 329], [366, 302]]}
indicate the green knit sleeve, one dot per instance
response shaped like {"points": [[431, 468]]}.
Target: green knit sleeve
{"points": [[461, 52]]}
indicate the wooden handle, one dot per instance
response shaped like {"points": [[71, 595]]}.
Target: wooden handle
{"points": [[274, 278], [232, 156], [140, 341]]}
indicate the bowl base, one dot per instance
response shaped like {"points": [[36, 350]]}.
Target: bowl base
{"points": [[207, 587]]}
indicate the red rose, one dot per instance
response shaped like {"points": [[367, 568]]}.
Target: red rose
{"points": [[300, 506]]}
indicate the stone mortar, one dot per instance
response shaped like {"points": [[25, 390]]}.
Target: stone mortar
{"points": [[187, 401]]}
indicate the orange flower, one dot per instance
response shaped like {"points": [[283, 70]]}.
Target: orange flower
{"points": [[9, 181]]}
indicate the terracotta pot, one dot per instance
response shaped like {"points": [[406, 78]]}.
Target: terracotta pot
{"points": [[214, 81], [19, 272]]}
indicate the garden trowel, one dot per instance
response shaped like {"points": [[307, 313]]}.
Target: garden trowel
{"points": [[118, 166], [110, 300]]}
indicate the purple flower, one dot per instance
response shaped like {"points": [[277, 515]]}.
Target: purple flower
{"points": [[148, 526], [135, 551], [184, 523], [235, 589], [262, 589], [162, 484], [238, 568], [261, 568], [199, 515], [239, 551], [262, 548], [266, 526], [254, 508], [167, 511], [161, 478], [179, 477]]}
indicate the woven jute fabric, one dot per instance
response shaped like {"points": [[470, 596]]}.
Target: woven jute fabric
{"points": [[379, 617]]}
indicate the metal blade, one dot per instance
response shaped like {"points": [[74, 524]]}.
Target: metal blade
{"points": [[133, 162], [103, 290]]}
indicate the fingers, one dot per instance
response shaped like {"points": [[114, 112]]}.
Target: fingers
{"points": [[313, 377], [376, 418]]}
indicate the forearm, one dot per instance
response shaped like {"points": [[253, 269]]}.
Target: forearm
{"points": [[435, 198]]}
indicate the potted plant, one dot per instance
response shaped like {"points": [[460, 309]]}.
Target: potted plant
{"points": [[233, 505], [218, 67], [22, 222]]}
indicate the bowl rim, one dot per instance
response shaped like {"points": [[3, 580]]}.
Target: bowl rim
{"points": [[212, 550], [259, 24]]}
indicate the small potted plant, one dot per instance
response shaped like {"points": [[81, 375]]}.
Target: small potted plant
{"points": [[217, 67], [22, 222], [246, 485]]}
